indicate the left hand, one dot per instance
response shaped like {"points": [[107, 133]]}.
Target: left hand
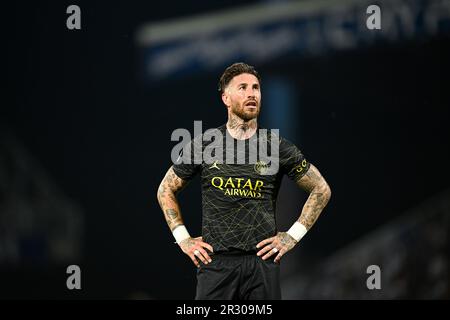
{"points": [[281, 243]]}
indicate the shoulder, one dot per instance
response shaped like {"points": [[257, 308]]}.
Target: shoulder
{"points": [[286, 144]]}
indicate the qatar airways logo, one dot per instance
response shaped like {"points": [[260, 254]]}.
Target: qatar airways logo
{"points": [[213, 153]]}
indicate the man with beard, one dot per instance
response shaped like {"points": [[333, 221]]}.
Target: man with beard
{"points": [[238, 255]]}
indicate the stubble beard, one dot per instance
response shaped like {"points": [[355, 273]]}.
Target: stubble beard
{"points": [[240, 111]]}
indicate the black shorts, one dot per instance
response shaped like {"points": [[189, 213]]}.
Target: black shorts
{"points": [[238, 276]]}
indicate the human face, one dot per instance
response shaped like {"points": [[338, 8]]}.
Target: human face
{"points": [[243, 96]]}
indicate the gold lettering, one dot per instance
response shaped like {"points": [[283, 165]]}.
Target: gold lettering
{"points": [[221, 182], [230, 182], [258, 185], [248, 189], [304, 163], [249, 183]]}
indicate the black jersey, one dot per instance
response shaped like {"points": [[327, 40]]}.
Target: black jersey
{"points": [[239, 200]]}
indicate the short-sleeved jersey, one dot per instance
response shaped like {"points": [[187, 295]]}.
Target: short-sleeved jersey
{"points": [[239, 200]]}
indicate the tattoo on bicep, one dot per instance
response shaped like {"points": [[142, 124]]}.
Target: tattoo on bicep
{"points": [[311, 179], [174, 182]]}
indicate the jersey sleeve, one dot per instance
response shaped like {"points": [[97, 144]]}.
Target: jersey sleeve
{"points": [[292, 161], [188, 163]]}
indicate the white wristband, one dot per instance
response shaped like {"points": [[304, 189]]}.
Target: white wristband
{"points": [[297, 231], [180, 233]]}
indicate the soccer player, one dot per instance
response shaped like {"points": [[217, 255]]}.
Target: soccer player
{"points": [[238, 255]]}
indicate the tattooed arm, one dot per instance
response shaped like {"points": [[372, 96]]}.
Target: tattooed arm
{"points": [[319, 195], [167, 191]]}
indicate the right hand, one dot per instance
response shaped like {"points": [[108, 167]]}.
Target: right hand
{"points": [[194, 248]]}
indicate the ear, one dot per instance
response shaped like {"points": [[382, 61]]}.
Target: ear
{"points": [[225, 99]]}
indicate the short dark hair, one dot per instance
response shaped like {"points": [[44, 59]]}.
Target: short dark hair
{"points": [[234, 70]]}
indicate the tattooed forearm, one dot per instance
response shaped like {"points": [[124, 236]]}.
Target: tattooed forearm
{"points": [[169, 187], [172, 218], [320, 194], [313, 207], [171, 214]]}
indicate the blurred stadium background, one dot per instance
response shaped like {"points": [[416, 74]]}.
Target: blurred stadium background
{"points": [[87, 116]]}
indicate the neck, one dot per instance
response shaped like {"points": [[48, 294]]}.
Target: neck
{"points": [[239, 128]]}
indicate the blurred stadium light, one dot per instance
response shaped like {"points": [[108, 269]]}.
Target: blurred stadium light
{"points": [[268, 31]]}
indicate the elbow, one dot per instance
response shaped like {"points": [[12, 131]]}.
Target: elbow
{"points": [[160, 192], [327, 191]]}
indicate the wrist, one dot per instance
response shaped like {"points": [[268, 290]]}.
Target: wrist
{"points": [[297, 231], [180, 233]]}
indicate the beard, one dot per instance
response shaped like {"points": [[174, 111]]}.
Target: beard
{"points": [[245, 114]]}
